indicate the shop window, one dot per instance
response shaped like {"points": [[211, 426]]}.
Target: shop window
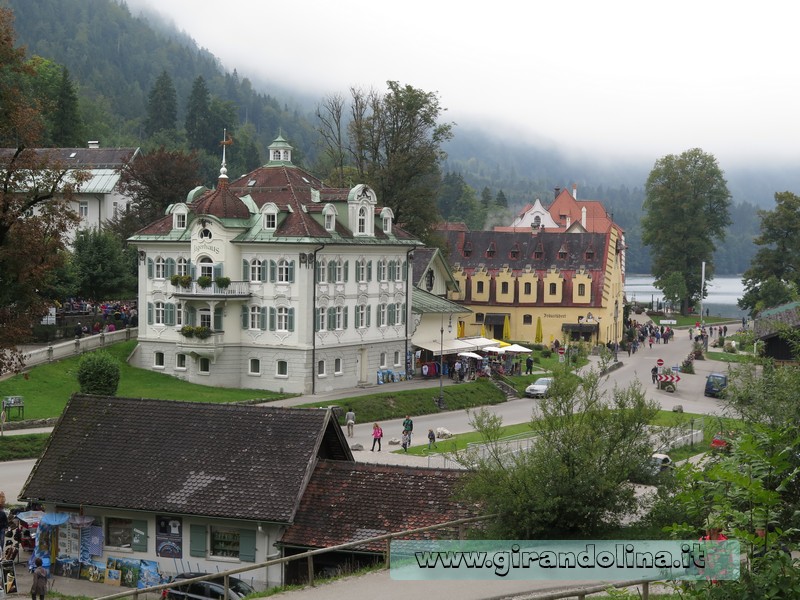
{"points": [[126, 533], [225, 542]]}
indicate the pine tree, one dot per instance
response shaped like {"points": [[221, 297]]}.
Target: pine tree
{"points": [[198, 115], [162, 105], [67, 128], [501, 199]]}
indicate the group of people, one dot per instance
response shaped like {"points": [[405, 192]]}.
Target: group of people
{"points": [[111, 313], [377, 431]]}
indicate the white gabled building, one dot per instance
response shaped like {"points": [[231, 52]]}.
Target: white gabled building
{"points": [[288, 284]]}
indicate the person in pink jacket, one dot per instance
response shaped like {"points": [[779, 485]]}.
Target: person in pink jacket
{"points": [[377, 434]]}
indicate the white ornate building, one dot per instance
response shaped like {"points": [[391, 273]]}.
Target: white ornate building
{"points": [[307, 288]]}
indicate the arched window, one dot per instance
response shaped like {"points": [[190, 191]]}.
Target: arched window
{"points": [[553, 289], [206, 267], [362, 220], [161, 268]]}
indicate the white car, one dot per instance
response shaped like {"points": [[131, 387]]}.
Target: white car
{"points": [[539, 388]]}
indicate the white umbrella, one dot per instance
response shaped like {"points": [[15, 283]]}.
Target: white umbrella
{"points": [[495, 350], [516, 348], [470, 355]]}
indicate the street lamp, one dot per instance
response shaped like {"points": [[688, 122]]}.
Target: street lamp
{"points": [[440, 401]]}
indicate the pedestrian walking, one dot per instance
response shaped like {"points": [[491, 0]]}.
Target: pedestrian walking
{"points": [[529, 365], [350, 420], [431, 439], [405, 441], [654, 373], [408, 427], [377, 436]]}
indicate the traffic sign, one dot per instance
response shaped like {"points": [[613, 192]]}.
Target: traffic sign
{"points": [[561, 350], [660, 362], [674, 378]]}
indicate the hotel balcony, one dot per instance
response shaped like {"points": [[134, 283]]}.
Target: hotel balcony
{"points": [[236, 289]]}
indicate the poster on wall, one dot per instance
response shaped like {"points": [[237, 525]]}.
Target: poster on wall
{"points": [[9, 577], [169, 536]]}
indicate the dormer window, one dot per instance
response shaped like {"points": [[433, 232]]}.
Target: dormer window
{"points": [[537, 254], [362, 219], [514, 254], [467, 250], [180, 221], [270, 217], [490, 251], [387, 217], [562, 254], [590, 255], [329, 217], [537, 222]]}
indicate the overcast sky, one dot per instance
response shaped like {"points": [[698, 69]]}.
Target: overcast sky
{"points": [[627, 79]]}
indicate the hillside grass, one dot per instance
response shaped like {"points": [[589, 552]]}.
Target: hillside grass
{"points": [[47, 387]]}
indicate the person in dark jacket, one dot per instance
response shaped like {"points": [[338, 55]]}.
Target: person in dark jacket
{"points": [[39, 585]]}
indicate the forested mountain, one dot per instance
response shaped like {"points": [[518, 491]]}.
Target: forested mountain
{"points": [[115, 58]]}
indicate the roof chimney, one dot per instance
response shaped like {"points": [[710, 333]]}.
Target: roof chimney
{"points": [[575, 191], [94, 144], [583, 216], [557, 192]]}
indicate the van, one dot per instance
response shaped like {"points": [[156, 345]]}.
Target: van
{"points": [[716, 384]]}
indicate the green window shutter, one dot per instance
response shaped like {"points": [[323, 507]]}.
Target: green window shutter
{"points": [[331, 318], [378, 315], [170, 267], [245, 317], [150, 268], [272, 318], [139, 537], [217, 270], [405, 270], [368, 313], [247, 545], [263, 271], [332, 271], [191, 270], [346, 271], [405, 312], [390, 316], [218, 319], [263, 319], [245, 270], [345, 312], [197, 540], [316, 321], [169, 314], [291, 319], [369, 271], [318, 271], [291, 272], [273, 269], [192, 317], [149, 313]]}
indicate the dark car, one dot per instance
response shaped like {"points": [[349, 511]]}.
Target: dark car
{"points": [[210, 589], [716, 384]]}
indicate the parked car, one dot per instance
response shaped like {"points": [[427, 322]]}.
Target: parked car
{"points": [[661, 462], [720, 442], [211, 589], [716, 384], [539, 388]]}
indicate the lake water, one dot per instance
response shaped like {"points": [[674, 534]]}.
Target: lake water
{"points": [[723, 293]]}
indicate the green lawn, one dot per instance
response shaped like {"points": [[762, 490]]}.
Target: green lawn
{"points": [[46, 388]]}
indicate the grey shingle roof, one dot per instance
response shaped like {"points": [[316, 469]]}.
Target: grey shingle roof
{"points": [[218, 460]]}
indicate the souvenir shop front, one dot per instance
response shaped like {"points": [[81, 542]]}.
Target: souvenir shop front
{"points": [[435, 358]]}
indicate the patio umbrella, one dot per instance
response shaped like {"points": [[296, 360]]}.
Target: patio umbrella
{"points": [[470, 355], [494, 350], [516, 348], [506, 328], [538, 338]]}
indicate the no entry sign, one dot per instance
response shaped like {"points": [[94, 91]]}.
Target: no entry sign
{"points": [[660, 362], [561, 350]]}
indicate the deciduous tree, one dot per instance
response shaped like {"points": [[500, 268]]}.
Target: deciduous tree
{"points": [[686, 211]]}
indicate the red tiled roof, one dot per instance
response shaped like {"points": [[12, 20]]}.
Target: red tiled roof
{"points": [[355, 501]]}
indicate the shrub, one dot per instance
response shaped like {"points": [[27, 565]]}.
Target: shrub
{"points": [[222, 282], [45, 333], [546, 353], [181, 280], [202, 332], [98, 373], [204, 281], [687, 367], [730, 347], [187, 331]]}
